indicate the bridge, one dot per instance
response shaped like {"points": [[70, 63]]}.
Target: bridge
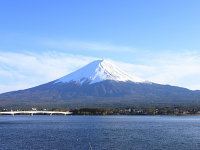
{"points": [[35, 112]]}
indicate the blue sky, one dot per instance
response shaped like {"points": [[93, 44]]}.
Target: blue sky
{"points": [[154, 39]]}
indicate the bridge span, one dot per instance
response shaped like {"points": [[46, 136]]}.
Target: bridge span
{"points": [[35, 112]]}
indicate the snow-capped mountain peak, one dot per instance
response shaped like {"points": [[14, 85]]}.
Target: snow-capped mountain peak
{"points": [[98, 71]]}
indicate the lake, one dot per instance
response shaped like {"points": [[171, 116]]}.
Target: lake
{"points": [[99, 132]]}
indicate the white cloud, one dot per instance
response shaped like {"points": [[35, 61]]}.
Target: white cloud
{"points": [[91, 46], [175, 68]]}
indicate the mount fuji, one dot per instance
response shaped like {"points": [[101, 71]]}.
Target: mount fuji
{"points": [[101, 84]]}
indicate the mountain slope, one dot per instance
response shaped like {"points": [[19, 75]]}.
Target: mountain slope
{"points": [[101, 83]]}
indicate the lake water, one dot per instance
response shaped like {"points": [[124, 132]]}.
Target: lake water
{"points": [[100, 132]]}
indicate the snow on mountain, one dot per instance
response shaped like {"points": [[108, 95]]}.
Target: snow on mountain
{"points": [[98, 71]]}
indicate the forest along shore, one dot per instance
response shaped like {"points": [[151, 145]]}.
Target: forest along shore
{"points": [[124, 111]]}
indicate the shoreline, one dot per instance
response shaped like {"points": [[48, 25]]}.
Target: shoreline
{"points": [[97, 115]]}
